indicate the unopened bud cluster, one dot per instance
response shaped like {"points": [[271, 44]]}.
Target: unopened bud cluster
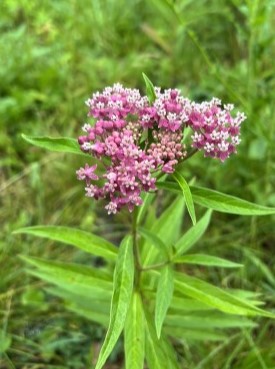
{"points": [[135, 140]]}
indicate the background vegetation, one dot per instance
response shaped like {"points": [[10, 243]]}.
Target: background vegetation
{"points": [[53, 55]]}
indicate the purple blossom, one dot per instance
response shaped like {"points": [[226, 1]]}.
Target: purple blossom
{"points": [[135, 140], [216, 131], [87, 173]]}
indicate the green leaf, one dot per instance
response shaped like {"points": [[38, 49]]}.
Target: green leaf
{"points": [[83, 240], [227, 204], [134, 335], [187, 195], [60, 144], [193, 234], [150, 90], [154, 240], [168, 225], [88, 302], [74, 274], [169, 186], [88, 306], [122, 294], [142, 210], [158, 352], [182, 304], [167, 228], [216, 297], [68, 270], [84, 286], [89, 313], [208, 320], [207, 260], [164, 296], [220, 201], [194, 335], [179, 304]]}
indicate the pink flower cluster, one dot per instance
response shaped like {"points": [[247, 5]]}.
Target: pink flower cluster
{"points": [[216, 132], [135, 140]]}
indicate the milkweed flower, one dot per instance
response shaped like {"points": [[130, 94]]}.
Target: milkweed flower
{"points": [[216, 131], [135, 140]]}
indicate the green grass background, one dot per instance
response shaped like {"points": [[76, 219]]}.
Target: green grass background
{"points": [[53, 55]]}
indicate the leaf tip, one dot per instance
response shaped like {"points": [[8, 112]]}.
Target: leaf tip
{"points": [[25, 137], [158, 329], [19, 231], [144, 76]]}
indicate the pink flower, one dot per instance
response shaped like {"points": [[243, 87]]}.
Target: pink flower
{"points": [[87, 173], [216, 131], [136, 140]]}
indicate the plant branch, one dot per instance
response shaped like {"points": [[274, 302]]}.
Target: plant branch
{"points": [[154, 266]]}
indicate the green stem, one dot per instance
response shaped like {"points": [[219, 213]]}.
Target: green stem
{"points": [[193, 152], [154, 266]]}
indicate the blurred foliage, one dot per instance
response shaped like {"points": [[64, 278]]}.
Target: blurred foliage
{"points": [[53, 54]]}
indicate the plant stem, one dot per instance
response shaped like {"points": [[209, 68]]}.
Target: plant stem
{"points": [[188, 156], [154, 266]]}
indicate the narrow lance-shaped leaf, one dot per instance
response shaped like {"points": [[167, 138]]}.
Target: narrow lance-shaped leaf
{"points": [[60, 144], [94, 316], [96, 310], [207, 260], [220, 201], [187, 195], [122, 294], [159, 353], [195, 335], [207, 320], [192, 235], [134, 335], [181, 304], [72, 277], [74, 272], [164, 296], [167, 228], [154, 240], [142, 210], [216, 297], [228, 204], [150, 90], [87, 286], [83, 240]]}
